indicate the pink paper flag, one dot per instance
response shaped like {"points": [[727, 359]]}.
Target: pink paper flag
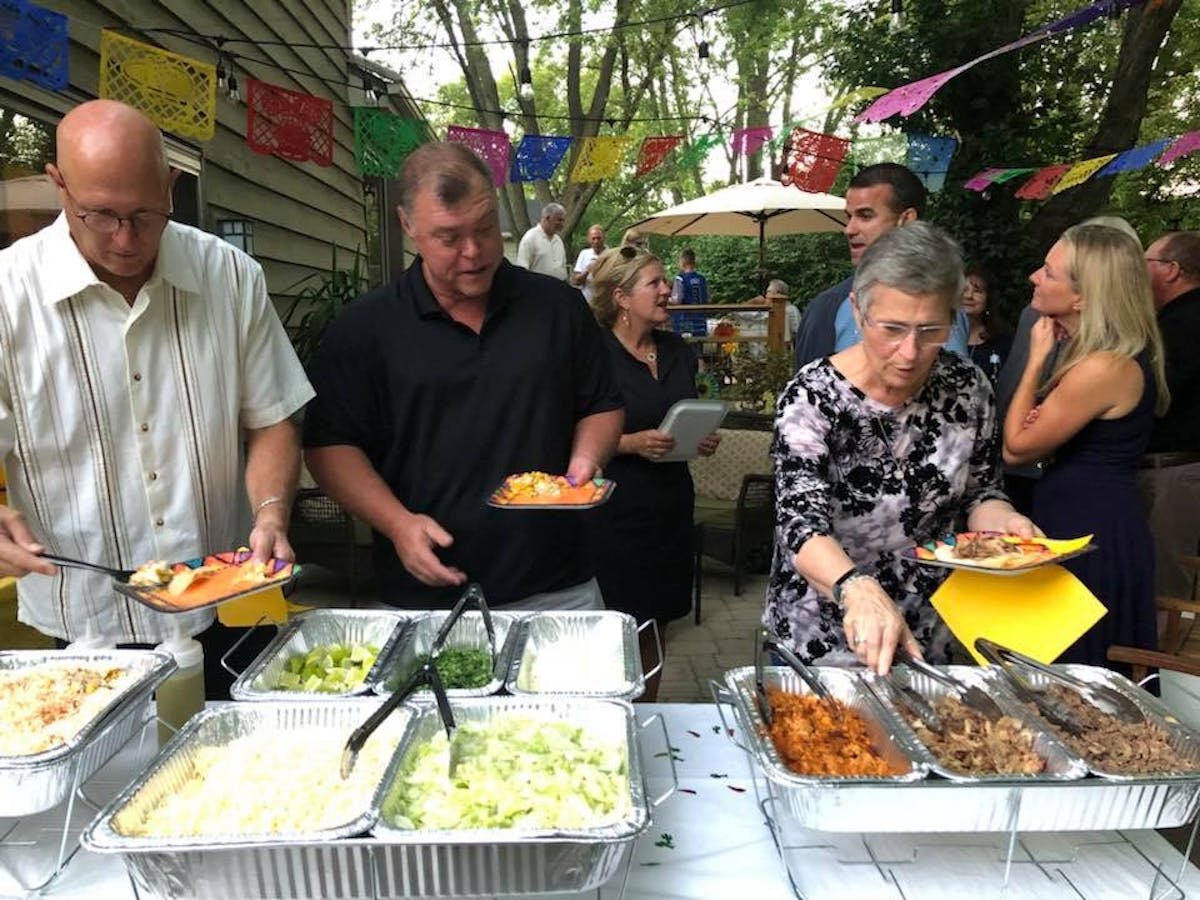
{"points": [[747, 141], [1187, 143], [907, 98], [493, 147], [982, 180]]}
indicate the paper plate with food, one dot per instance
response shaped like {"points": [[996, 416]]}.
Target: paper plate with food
{"points": [[200, 583], [992, 551], [540, 490]]}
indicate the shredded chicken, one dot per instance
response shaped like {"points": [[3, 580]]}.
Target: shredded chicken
{"points": [[818, 737], [984, 546]]}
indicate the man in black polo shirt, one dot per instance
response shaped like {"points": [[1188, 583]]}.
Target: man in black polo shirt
{"points": [[431, 390], [1171, 477]]}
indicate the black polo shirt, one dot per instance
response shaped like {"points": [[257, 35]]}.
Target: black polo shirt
{"points": [[444, 414], [1179, 429]]}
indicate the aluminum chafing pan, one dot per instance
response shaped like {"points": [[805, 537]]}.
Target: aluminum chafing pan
{"points": [[260, 680], [37, 782], [460, 862], [1086, 804], [1183, 740], [412, 649], [595, 654], [844, 686], [1060, 763], [404, 863], [217, 727]]}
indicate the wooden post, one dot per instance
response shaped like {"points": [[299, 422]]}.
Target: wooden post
{"points": [[777, 325]]}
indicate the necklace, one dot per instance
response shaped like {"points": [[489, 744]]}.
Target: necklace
{"points": [[647, 355]]}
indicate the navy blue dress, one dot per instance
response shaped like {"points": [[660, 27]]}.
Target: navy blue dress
{"points": [[1090, 488], [644, 536]]}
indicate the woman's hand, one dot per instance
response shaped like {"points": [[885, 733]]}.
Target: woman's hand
{"points": [[651, 444], [1042, 338], [708, 444], [999, 515], [873, 625]]}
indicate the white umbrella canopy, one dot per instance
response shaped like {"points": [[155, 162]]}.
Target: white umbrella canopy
{"points": [[760, 209]]}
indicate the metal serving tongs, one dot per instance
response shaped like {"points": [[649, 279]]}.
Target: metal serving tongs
{"points": [[768, 641], [970, 695], [473, 594], [426, 675], [1049, 707], [1105, 698]]}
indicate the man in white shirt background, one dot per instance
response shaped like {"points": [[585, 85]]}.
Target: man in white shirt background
{"points": [[146, 386], [586, 261], [541, 248]]}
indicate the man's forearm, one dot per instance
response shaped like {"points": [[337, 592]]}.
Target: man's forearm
{"points": [[272, 467], [596, 436], [345, 474]]}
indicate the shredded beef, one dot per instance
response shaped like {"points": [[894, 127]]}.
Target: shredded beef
{"points": [[972, 744]]}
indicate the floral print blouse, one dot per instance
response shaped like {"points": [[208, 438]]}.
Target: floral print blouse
{"points": [[877, 479]]}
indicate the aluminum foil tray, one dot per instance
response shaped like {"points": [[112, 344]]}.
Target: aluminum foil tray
{"points": [[1183, 740], [844, 686], [1086, 804], [577, 653], [412, 649], [31, 784], [1060, 763], [311, 629], [405, 863], [217, 727]]}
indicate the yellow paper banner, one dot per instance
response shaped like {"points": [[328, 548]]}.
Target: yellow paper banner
{"points": [[599, 157], [177, 92], [1081, 172], [1040, 613], [854, 96]]}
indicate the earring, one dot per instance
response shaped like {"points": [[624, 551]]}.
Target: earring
{"points": [[625, 319]]}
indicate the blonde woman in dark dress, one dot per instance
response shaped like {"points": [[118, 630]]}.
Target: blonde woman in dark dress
{"points": [[644, 540]]}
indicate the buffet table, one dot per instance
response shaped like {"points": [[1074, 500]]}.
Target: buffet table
{"points": [[710, 840]]}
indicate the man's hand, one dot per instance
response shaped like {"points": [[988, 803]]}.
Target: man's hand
{"points": [[268, 539], [415, 539], [19, 552]]}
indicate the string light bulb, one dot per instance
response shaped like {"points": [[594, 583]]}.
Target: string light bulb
{"points": [[526, 83], [702, 49], [232, 88], [897, 15]]}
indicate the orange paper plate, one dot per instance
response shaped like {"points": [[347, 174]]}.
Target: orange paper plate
{"points": [[225, 584], [538, 490]]}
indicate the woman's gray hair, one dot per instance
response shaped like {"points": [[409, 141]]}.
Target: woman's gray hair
{"points": [[917, 259]]}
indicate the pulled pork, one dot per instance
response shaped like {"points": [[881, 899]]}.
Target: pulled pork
{"points": [[972, 744], [1113, 746], [985, 546]]}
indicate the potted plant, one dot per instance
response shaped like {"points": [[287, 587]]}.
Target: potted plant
{"points": [[318, 301]]}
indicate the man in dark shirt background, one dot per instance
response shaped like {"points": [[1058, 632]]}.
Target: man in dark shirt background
{"points": [[1171, 477], [432, 390]]}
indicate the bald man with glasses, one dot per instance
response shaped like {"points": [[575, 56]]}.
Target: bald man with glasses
{"points": [[146, 386]]}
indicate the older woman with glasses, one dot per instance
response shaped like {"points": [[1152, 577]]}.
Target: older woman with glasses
{"points": [[888, 443], [644, 534]]}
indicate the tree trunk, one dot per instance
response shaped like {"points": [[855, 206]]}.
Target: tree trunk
{"points": [[1145, 31]]}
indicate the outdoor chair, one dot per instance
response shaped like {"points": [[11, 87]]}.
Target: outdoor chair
{"points": [[324, 534], [735, 506]]}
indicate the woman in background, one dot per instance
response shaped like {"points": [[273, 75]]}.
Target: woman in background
{"points": [[987, 343], [644, 541], [1092, 417]]}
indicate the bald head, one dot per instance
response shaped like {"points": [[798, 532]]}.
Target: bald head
{"points": [[111, 164], [107, 135]]}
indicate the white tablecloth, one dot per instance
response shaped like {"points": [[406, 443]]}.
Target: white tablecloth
{"points": [[709, 840]]}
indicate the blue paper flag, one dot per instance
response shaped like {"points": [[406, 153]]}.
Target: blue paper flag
{"points": [[33, 44], [538, 155], [929, 158], [1135, 158]]}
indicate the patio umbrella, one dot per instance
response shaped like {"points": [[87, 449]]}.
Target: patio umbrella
{"points": [[761, 208]]}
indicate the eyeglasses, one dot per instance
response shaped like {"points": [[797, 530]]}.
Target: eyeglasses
{"points": [[925, 335], [1159, 259], [104, 222]]}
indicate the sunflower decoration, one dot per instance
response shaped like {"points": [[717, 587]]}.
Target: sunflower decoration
{"points": [[707, 386]]}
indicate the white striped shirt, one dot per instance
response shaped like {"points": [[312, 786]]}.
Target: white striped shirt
{"points": [[121, 428]]}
